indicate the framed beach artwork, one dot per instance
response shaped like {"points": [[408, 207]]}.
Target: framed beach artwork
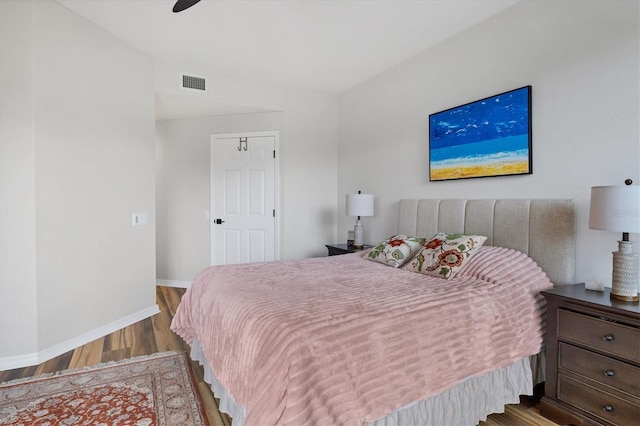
{"points": [[488, 137]]}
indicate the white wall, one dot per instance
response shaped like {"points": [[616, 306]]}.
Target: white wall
{"points": [[582, 59], [77, 159], [18, 304], [182, 188], [307, 122]]}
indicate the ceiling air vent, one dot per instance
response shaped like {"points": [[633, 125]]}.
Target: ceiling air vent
{"points": [[193, 82]]}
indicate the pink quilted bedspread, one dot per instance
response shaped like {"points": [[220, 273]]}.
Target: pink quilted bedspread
{"points": [[342, 340]]}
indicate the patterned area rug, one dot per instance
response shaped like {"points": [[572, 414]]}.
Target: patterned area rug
{"points": [[143, 391]]}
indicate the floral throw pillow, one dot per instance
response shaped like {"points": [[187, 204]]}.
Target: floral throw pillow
{"points": [[445, 254], [396, 251]]}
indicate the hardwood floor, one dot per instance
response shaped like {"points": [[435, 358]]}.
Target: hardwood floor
{"points": [[153, 335]]}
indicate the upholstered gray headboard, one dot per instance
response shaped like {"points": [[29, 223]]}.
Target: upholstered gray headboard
{"points": [[543, 229]]}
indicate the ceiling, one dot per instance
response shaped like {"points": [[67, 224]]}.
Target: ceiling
{"points": [[330, 45]]}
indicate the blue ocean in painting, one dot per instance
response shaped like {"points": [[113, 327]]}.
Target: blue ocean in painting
{"points": [[507, 149], [489, 120]]}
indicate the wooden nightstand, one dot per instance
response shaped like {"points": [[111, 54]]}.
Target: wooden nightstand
{"points": [[593, 358], [335, 249]]}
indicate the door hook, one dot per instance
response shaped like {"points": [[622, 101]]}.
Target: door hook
{"points": [[245, 144]]}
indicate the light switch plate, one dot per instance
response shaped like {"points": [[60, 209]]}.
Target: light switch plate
{"points": [[139, 219]]}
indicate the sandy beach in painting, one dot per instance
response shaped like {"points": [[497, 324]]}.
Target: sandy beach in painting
{"points": [[479, 170]]}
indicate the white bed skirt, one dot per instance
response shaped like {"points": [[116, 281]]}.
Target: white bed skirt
{"points": [[466, 404]]}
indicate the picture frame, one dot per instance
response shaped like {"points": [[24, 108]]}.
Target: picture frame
{"points": [[484, 138]]}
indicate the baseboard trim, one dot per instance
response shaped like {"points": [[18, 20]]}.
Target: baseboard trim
{"points": [[20, 361], [173, 283]]}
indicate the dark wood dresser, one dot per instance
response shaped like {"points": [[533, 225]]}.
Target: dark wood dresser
{"points": [[337, 249], [593, 358]]}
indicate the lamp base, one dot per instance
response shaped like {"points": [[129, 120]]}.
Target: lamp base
{"points": [[632, 299], [358, 238], [624, 285]]}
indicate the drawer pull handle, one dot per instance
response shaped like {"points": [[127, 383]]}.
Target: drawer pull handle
{"points": [[609, 373], [608, 408], [608, 337]]}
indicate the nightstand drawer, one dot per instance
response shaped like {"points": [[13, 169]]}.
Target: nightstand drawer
{"points": [[597, 402], [607, 371], [606, 336]]}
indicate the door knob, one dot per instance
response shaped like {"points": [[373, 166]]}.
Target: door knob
{"points": [[219, 221]]}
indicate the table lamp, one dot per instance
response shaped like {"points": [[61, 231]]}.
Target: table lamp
{"points": [[617, 208], [359, 205]]}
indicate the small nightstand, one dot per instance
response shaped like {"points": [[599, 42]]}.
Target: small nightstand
{"points": [[593, 358], [335, 249]]}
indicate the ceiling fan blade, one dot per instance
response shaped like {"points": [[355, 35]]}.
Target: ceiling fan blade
{"points": [[183, 4]]}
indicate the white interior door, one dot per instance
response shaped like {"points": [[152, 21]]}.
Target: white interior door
{"points": [[243, 198]]}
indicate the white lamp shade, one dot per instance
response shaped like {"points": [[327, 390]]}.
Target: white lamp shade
{"points": [[360, 205], [615, 208]]}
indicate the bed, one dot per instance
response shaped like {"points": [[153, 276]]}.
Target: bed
{"points": [[347, 340]]}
